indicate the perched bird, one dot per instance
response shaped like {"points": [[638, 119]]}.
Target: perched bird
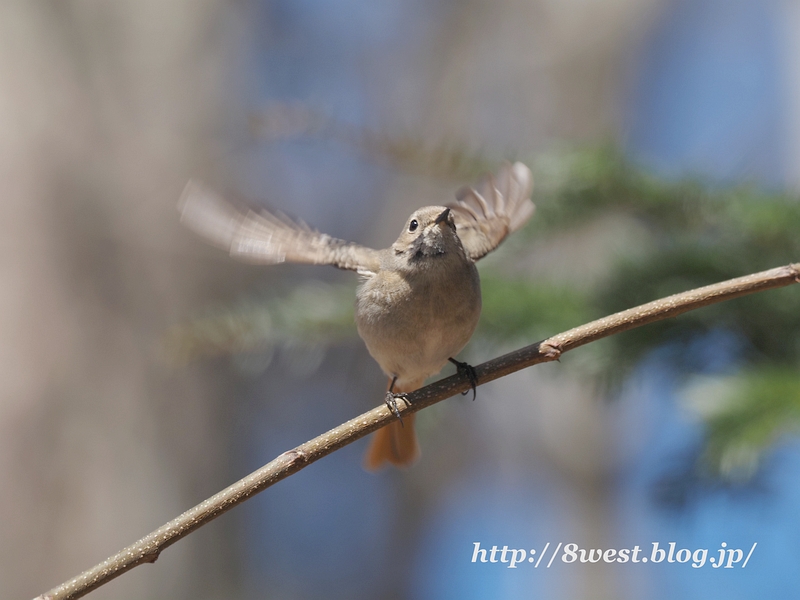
{"points": [[419, 300]]}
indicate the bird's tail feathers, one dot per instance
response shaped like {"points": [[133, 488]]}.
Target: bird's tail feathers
{"points": [[396, 443]]}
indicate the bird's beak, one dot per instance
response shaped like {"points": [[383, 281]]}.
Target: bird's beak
{"points": [[442, 217]]}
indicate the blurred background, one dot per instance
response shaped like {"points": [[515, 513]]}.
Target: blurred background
{"points": [[143, 371]]}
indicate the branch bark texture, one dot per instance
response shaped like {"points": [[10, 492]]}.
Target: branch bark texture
{"points": [[149, 547]]}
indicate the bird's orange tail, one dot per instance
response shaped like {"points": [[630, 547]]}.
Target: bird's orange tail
{"points": [[395, 444]]}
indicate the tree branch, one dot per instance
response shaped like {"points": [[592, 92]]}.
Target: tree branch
{"points": [[149, 547]]}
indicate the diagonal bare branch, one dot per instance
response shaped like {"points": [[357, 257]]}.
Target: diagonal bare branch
{"points": [[149, 547]]}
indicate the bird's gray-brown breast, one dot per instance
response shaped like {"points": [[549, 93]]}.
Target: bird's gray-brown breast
{"points": [[413, 320]]}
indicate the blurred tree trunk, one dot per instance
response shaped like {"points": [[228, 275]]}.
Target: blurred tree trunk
{"points": [[104, 110]]}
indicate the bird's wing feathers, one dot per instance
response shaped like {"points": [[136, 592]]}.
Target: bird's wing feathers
{"points": [[498, 205], [267, 238]]}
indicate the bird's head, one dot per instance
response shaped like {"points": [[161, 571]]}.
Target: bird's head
{"points": [[429, 233]]}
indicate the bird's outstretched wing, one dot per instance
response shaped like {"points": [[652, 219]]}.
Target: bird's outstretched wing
{"points": [[263, 237], [498, 205]]}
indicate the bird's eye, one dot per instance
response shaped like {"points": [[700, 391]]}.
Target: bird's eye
{"points": [[413, 225]]}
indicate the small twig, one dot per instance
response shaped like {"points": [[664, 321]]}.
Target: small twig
{"points": [[149, 547]]}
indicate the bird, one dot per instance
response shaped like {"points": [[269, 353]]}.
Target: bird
{"points": [[418, 302]]}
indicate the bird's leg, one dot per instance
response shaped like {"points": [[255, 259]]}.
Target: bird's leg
{"points": [[391, 400], [468, 370]]}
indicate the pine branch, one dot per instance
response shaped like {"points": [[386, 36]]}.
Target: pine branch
{"points": [[148, 548]]}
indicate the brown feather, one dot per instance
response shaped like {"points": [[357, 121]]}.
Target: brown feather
{"points": [[394, 444], [496, 206], [267, 238]]}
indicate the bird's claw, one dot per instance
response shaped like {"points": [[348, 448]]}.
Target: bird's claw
{"points": [[391, 403], [468, 370]]}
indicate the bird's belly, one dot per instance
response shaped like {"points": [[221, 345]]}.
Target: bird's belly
{"points": [[413, 330]]}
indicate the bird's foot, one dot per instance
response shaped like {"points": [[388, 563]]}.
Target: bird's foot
{"points": [[468, 370], [391, 402]]}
